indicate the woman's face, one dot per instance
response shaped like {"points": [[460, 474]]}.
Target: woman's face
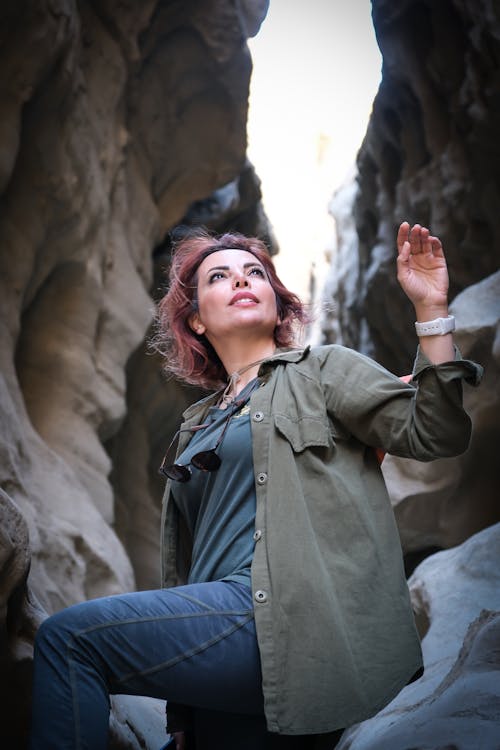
{"points": [[235, 297]]}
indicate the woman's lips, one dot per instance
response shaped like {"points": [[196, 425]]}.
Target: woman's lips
{"points": [[248, 296]]}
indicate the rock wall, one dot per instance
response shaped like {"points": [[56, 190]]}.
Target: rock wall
{"points": [[431, 156], [118, 120]]}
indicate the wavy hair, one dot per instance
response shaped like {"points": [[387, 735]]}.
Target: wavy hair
{"points": [[187, 355]]}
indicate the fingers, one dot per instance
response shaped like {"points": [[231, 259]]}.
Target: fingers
{"points": [[403, 233], [403, 255], [437, 247], [419, 241], [419, 238]]}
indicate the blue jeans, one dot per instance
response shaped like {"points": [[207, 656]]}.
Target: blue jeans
{"points": [[193, 644]]}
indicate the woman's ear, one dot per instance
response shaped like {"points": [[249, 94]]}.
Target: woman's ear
{"points": [[196, 325]]}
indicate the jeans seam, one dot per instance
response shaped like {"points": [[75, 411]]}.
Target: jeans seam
{"points": [[176, 616], [188, 654], [74, 694], [193, 599]]}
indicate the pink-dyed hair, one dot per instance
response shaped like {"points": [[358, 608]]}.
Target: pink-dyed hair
{"points": [[191, 357]]}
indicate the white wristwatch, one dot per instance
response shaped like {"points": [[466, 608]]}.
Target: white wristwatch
{"points": [[436, 327]]}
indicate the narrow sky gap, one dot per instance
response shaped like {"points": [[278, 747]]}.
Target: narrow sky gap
{"points": [[316, 72]]}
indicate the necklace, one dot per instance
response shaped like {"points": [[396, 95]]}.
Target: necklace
{"points": [[227, 397]]}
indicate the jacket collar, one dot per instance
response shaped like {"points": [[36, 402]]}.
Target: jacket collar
{"points": [[280, 355], [289, 355]]}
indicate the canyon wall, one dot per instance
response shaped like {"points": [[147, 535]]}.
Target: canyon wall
{"points": [[430, 155], [118, 121]]}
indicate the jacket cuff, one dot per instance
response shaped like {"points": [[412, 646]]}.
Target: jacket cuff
{"points": [[458, 369]]}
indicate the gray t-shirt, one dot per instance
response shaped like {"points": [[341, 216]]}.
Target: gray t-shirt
{"points": [[219, 507]]}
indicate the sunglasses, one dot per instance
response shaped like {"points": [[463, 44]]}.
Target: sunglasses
{"points": [[205, 460]]}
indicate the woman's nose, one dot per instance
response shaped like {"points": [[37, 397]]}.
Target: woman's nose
{"points": [[240, 281]]}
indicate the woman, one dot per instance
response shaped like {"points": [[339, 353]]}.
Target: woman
{"points": [[286, 611]]}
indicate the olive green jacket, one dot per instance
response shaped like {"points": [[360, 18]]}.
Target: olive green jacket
{"points": [[334, 624]]}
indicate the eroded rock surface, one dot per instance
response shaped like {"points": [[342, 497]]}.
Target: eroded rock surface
{"points": [[116, 118], [20, 616], [456, 594], [430, 155]]}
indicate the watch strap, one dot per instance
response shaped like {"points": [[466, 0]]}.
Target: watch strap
{"points": [[436, 327]]}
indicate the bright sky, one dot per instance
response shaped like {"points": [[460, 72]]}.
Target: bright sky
{"points": [[316, 72]]}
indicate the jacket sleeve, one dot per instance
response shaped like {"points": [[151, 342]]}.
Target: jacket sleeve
{"points": [[423, 419]]}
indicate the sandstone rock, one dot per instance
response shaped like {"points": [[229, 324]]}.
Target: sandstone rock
{"points": [[191, 93], [20, 616], [107, 141], [430, 155], [154, 410], [235, 204], [137, 723], [456, 594], [342, 319], [115, 117]]}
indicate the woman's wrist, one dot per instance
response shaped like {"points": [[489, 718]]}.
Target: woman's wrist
{"points": [[437, 348], [435, 327], [424, 313]]}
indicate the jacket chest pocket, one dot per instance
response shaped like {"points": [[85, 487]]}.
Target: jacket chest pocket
{"points": [[302, 433]]}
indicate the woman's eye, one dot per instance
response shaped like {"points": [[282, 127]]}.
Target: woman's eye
{"points": [[257, 271], [215, 276]]}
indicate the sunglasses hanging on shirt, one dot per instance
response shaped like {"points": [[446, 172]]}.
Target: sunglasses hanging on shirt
{"points": [[205, 460]]}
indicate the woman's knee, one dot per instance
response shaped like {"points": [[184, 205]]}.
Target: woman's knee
{"points": [[56, 630]]}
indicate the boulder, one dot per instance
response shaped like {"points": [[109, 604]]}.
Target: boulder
{"points": [[456, 595]]}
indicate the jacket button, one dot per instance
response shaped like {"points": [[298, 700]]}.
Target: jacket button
{"points": [[262, 477], [258, 416], [260, 596], [257, 535]]}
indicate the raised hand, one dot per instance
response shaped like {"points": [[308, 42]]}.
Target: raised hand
{"points": [[423, 276], [422, 271]]}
